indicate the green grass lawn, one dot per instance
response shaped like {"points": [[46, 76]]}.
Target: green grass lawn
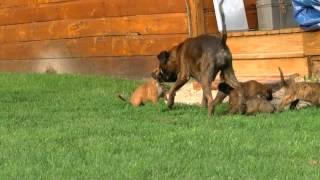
{"points": [[74, 127]]}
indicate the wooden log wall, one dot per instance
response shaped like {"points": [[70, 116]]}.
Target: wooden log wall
{"points": [[118, 37], [81, 36]]}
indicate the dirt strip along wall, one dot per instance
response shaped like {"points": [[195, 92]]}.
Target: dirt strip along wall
{"points": [[117, 37]]}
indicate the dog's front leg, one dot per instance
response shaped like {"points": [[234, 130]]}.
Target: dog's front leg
{"points": [[204, 102], [172, 93], [211, 105]]}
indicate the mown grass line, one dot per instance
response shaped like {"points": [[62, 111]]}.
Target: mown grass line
{"points": [[71, 127]]}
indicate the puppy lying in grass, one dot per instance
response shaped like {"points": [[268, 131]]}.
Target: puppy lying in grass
{"points": [[149, 91], [258, 105], [250, 89], [298, 91]]}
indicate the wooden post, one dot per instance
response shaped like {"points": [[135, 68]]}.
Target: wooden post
{"points": [[197, 17]]}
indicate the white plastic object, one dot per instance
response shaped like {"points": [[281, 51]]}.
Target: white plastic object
{"points": [[235, 15]]}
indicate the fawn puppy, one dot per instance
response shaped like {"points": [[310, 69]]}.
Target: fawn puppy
{"points": [[149, 91]]}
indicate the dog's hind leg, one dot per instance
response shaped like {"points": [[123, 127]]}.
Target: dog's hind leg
{"points": [[217, 100], [230, 77]]}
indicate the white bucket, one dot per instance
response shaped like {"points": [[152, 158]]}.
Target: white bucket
{"points": [[235, 15]]}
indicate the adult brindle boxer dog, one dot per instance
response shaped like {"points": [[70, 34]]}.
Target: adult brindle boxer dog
{"points": [[202, 58]]}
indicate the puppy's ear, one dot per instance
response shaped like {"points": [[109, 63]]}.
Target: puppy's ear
{"points": [[163, 57], [225, 88]]}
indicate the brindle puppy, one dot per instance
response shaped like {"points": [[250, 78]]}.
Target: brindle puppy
{"points": [[295, 91], [249, 89], [202, 58], [258, 105]]}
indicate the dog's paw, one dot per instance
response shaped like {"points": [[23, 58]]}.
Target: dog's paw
{"points": [[166, 96], [170, 104]]}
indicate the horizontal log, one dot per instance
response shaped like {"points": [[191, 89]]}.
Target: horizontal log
{"points": [[14, 3], [52, 1], [280, 45], [126, 67], [66, 29], [312, 43], [268, 32], [16, 15], [83, 9], [269, 67], [142, 7], [256, 56], [69, 10], [89, 47]]}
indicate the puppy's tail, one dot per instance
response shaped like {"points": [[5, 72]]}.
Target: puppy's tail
{"points": [[224, 26], [283, 82], [122, 98]]}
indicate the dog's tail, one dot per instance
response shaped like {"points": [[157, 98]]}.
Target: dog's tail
{"points": [[224, 26], [122, 98], [283, 82]]}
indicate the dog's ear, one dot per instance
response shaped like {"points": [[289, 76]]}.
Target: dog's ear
{"points": [[163, 57], [225, 88]]}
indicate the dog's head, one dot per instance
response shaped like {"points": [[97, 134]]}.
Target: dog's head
{"points": [[168, 66], [163, 76]]}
